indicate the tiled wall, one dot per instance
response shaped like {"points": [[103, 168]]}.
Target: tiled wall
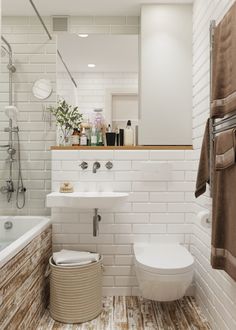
{"points": [[159, 208], [91, 93], [34, 57], [105, 24], [215, 290]]}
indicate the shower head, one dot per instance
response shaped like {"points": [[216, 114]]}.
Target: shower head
{"points": [[11, 112], [4, 51], [11, 67]]}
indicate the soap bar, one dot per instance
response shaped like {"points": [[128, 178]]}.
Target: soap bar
{"points": [[66, 187]]}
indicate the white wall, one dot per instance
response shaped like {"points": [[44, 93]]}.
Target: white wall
{"points": [[159, 208], [92, 88], [104, 24], [215, 290], [166, 75], [34, 57]]}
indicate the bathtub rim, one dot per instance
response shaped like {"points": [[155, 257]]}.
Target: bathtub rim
{"points": [[16, 246]]}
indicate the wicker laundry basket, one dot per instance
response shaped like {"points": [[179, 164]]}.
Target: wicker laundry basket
{"points": [[75, 292]]}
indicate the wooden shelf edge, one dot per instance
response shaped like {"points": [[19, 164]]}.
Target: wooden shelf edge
{"points": [[162, 147]]}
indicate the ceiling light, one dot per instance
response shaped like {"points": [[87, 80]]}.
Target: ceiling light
{"points": [[83, 35], [91, 65]]}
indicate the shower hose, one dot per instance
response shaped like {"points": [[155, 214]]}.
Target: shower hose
{"points": [[20, 189]]}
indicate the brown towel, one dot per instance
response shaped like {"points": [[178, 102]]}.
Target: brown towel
{"points": [[223, 254], [224, 66], [225, 150], [203, 176]]}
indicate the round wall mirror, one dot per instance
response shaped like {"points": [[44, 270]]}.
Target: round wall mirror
{"points": [[42, 89]]}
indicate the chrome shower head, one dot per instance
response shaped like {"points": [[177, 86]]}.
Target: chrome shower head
{"points": [[4, 51], [11, 112]]}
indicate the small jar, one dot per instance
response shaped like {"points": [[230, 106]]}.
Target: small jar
{"points": [[75, 137]]}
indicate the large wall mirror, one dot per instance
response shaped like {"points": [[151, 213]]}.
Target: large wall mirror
{"points": [[105, 68]]}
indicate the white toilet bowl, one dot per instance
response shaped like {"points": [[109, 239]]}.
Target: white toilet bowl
{"points": [[164, 271]]}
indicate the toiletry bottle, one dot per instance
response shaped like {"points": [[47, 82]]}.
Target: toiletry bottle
{"points": [[94, 137], [75, 137], [117, 136], [83, 138], [121, 136], [100, 139], [129, 135]]}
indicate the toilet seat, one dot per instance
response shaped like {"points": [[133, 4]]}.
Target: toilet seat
{"points": [[163, 259]]}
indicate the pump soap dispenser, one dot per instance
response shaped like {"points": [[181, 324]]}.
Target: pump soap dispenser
{"points": [[129, 135]]}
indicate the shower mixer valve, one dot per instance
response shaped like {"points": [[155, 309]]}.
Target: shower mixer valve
{"points": [[12, 130], [8, 188]]}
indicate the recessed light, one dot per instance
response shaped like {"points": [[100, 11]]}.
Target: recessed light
{"points": [[91, 65], [83, 35]]}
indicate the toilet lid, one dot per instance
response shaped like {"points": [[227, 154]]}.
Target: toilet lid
{"points": [[166, 259]]}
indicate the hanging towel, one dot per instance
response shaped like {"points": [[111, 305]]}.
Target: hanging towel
{"points": [[224, 66], [223, 254], [203, 175], [223, 244], [74, 258]]}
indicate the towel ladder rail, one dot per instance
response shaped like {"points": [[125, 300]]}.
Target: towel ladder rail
{"points": [[215, 124]]}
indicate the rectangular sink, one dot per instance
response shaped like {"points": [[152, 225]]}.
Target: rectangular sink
{"points": [[86, 200]]}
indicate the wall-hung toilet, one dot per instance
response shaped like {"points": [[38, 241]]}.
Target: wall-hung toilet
{"points": [[164, 271]]}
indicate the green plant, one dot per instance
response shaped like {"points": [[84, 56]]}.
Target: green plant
{"points": [[67, 116]]}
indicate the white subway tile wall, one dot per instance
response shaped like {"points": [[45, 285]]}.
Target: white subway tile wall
{"points": [[215, 290], [105, 24], [156, 211], [91, 93], [34, 57]]}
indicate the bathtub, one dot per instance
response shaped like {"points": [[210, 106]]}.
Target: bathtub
{"points": [[26, 246], [24, 230]]}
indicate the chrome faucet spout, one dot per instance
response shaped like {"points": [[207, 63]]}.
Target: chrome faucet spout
{"points": [[96, 166]]}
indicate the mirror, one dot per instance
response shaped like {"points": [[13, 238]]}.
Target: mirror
{"points": [[105, 68], [42, 89]]}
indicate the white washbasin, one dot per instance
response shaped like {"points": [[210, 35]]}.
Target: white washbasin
{"points": [[86, 200]]}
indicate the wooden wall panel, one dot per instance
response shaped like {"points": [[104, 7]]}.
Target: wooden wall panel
{"points": [[23, 287]]}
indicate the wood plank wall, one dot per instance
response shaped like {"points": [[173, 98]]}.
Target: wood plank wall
{"points": [[24, 290]]}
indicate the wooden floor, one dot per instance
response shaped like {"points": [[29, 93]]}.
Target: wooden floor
{"points": [[123, 313]]}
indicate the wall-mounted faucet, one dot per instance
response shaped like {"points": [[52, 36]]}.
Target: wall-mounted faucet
{"points": [[96, 166]]}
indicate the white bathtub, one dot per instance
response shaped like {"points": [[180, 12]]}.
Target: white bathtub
{"points": [[24, 230]]}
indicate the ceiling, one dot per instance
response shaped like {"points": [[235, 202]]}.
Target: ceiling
{"points": [[79, 7], [110, 53]]}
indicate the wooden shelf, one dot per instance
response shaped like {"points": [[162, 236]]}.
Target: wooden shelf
{"points": [[188, 147]]}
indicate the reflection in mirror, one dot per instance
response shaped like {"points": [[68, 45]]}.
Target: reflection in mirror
{"points": [[42, 89], [105, 68]]}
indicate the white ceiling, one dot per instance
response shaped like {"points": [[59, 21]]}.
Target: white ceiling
{"points": [[79, 7], [110, 53]]}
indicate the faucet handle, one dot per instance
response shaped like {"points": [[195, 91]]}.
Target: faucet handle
{"points": [[109, 165], [84, 165]]}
